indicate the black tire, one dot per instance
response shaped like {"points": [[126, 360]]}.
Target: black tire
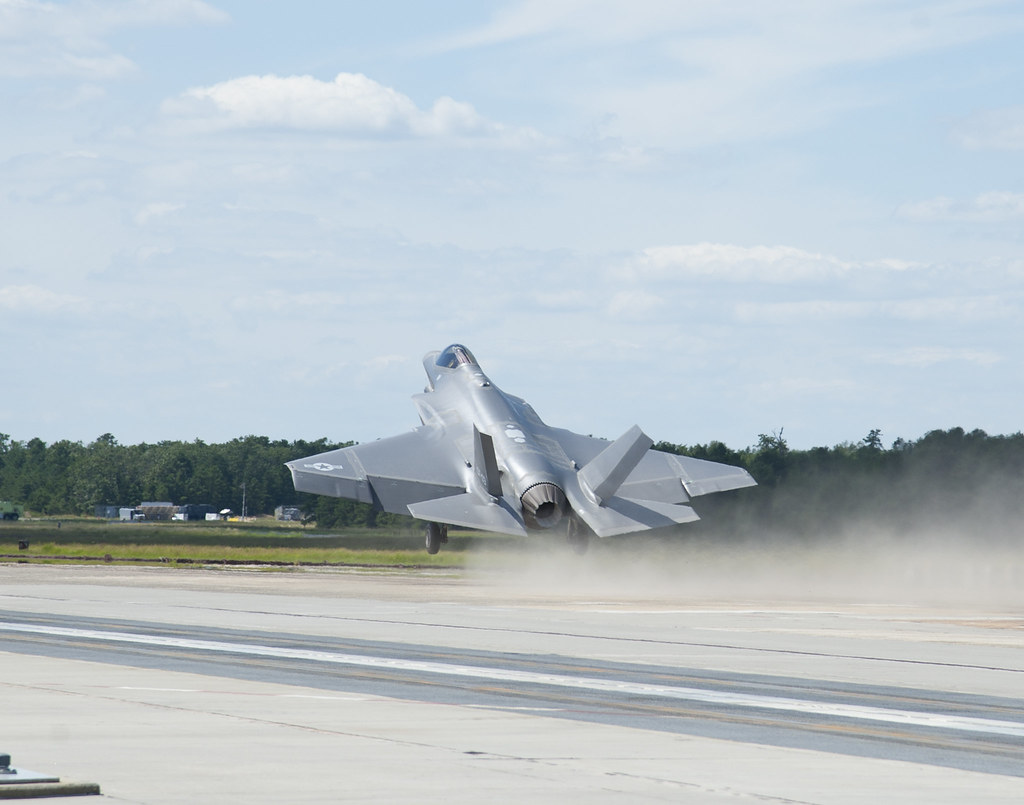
{"points": [[579, 544], [435, 536], [578, 537]]}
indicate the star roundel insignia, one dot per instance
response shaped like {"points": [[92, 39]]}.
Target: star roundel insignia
{"points": [[320, 465]]}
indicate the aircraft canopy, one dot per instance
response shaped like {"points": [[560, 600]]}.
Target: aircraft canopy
{"points": [[454, 356]]}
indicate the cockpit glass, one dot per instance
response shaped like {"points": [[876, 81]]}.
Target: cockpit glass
{"points": [[454, 356]]}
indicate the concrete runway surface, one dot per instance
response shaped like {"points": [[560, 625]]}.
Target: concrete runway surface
{"points": [[538, 684]]}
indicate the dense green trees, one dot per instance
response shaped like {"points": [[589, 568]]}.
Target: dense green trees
{"points": [[946, 483], [968, 481], [71, 478]]}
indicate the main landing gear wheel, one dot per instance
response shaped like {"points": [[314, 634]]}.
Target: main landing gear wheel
{"points": [[437, 535], [579, 543], [578, 537]]}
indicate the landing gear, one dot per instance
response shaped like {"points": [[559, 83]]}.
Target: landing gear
{"points": [[578, 536], [437, 535]]}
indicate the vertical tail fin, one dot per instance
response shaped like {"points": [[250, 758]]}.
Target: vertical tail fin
{"points": [[485, 464], [605, 472]]}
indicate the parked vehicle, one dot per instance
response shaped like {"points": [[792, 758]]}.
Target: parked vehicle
{"points": [[11, 511]]}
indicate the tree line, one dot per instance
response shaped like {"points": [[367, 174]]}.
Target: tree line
{"points": [[948, 483], [945, 480], [67, 477]]}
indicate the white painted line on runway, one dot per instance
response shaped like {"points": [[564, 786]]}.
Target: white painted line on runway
{"points": [[222, 692], [748, 700], [324, 698]]}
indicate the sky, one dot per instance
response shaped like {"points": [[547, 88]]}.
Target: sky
{"points": [[713, 220]]}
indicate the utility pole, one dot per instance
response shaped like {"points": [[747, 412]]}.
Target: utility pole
{"points": [[243, 500]]}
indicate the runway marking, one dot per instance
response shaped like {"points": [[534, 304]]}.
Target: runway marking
{"points": [[745, 700], [222, 692]]}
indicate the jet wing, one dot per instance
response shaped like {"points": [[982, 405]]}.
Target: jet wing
{"points": [[661, 477], [471, 511], [391, 473], [701, 477]]}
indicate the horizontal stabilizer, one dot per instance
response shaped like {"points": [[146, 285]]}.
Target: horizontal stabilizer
{"points": [[470, 511], [605, 472], [625, 515], [702, 477]]}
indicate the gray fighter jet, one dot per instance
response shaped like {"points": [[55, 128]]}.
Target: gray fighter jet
{"points": [[483, 459]]}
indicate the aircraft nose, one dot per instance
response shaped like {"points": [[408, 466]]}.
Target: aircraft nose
{"points": [[545, 504]]}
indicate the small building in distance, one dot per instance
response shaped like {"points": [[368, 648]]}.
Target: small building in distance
{"points": [[157, 510], [194, 511]]}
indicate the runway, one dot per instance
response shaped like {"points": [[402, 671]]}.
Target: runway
{"points": [[239, 686]]}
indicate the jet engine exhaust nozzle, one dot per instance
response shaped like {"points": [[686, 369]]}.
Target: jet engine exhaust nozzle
{"points": [[545, 504]]}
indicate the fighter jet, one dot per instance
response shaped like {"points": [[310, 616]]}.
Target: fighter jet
{"points": [[483, 459]]}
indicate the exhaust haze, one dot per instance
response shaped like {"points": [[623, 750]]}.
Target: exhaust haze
{"points": [[862, 567]]}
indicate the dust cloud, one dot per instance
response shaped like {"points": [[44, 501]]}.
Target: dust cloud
{"points": [[859, 566]]}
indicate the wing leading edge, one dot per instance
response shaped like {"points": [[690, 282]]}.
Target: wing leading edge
{"points": [[389, 473]]}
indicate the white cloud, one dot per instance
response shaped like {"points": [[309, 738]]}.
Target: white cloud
{"points": [[997, 129], [814, 310], [156, 209], [351, 104], [35, 299], [81, 19], [938, 309], [565, 299], [277, 301], [895, 264], [829, 34], [385, 361], [995, 206], [634, 304], [66, 39], [959, 309], [922, 357], [260, 173], [730, 263], [732, 70], [796, 386]]}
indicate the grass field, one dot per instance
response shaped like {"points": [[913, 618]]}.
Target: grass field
{"points": [[262, 541]]}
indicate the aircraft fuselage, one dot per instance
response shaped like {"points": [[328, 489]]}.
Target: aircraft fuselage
{"points": [[533, 467]]}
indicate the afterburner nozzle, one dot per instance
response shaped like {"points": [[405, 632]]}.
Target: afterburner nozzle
{"points": [[544, 504]]}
